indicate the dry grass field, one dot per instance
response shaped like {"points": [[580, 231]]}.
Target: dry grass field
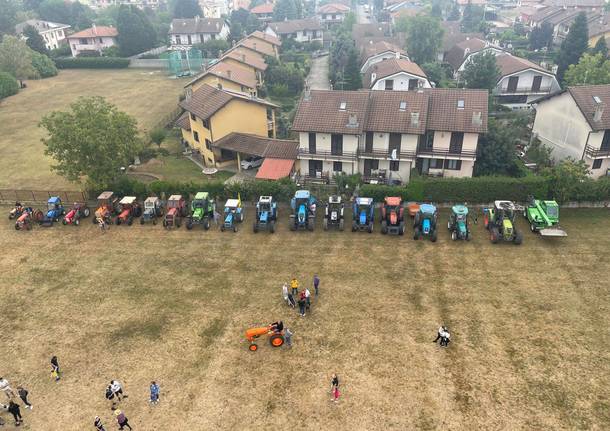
{"points": [[529, 328], [146, 95]]}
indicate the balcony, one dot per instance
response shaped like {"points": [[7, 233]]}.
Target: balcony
{"points": [[386, 154], [444, 153], [546, 89], [269, 125], [596, 153], [304, 153]]}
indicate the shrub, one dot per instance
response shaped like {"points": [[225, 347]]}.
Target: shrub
{"points": [[158, 135], [43, 65], [8, 85], [62, 51], [92, 63]]}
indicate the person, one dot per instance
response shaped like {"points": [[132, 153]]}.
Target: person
{"points": [[23, 394], [216, 216], [334, 382], [445, 338], [285, 293], [110, 397], [13, 408], [302, 303], [335, 397], [288, 337], [441, 329], [294, 285], [308, 298], [154, 392], [122, 419], [6, 388], [55, 368], [316, 284], [97, 423], [277, 326], [117, 389]]}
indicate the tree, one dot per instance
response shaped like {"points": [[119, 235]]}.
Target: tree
{"points": [[236, 31], [349, 21], [601, 47], [248, 21], [34, 39], [590, 70], [540, 154], [473, 19], [434, 72], [455, 14], [541, 37], [75, 14], [187, 9], [158, 135], [136, 33], [496, 151], [44, 66], [8, 17], [565, 178], [424, 38], [16, 58], [213, 48], [436, 10], [94, 140], [352, 77], [8, 85], [573, 46], [481, 71], [287, 9]]}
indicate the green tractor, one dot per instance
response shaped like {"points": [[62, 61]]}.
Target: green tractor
{"points": [[543, 217], [500, 222], [202, 211]]}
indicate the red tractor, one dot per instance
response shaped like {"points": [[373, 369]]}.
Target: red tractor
{"points": [[176, 211], [16, 211], [27, 218], [392, 216], [129, 209], [107, 206], [77, 212]]}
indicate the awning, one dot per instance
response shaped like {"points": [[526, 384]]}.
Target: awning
{"points": [[274, 169]]}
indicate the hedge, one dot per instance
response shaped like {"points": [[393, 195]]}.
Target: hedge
{"points": [[91, 63], [8, 85]]}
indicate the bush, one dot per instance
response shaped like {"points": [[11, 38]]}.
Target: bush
{"points": [[92, 63], [8, 85], [43, 65], [158, 135], [62, 51]]}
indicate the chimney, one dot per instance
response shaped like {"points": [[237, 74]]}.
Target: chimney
{"points": [[397, 55], [352, 120], [477, 119], [599, 111], [307, 93]]}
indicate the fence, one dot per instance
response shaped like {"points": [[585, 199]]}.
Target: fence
{"points": [[41, 196], [149, 63], [154, 51]]}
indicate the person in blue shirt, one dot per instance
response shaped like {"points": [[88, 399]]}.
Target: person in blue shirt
{"points": [[154, 392]]}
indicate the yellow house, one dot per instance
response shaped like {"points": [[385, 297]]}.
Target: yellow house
{"points": [[598, 29], [248, 60], [260, 46], [225, 76], [214, 113]]}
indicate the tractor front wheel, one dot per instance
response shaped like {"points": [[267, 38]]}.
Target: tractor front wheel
{"points": [[370, 227], [518, 238], [234, 228], [401, 228], [433, 237], [341, 225], [468, 235], [77, 222], [64, 222], [384, 227], [17, 227], [255, 227], [272, 226], [416, 233], [86, 212], [129, 221], [533, 228], [494, 235], [354, 226], [222, 228], [142, 220], [206, 223], [325, 223], [94, 220], [276, 340], [189, 225], [253, 347]]}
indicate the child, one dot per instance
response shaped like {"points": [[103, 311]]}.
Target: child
{"points": [[23, 394], [55, 368], [97, 423], [154, 393], [294, 285], [335, 397], [122, 420], [288, 337]]}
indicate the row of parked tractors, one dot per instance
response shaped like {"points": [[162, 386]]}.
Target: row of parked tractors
{"points": [[499, 219]]}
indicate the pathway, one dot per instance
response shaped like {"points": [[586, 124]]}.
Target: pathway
{"points": [[318, 75]]}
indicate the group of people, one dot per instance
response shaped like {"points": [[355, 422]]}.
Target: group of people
{"points": [[443, 335], [13, 407], [115, 394], [293, 297]]}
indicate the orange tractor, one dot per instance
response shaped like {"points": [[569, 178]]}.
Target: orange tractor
{"points": [[392, 216], [129, 209], [106, 207], [276, 336], [176, 211], [27, 218]]}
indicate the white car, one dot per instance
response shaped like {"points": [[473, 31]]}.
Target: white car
{"points": [[251, 162]]}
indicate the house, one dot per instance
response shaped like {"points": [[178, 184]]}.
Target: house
{"points": [[453, 35], [52, 33], [214, 8], [396, 74], [214, 113], [273, 41], [561, 18], [576, 123], [248, 60], [96, 38], [371, 29], [226, 76], [599, 28], [522, 82], [264, 12], [387, 133], [332, 13], [463, 3], [462, 53], [374, 52], [259, 46], [186, 32], [141, 4], [580, 4], [301, 30]]}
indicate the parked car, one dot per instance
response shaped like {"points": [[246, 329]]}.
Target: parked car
{"points": [[251, 162]]}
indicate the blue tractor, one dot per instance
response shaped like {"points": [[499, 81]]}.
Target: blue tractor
{"points": [[363, 214], [233, 214], [425, 222], [458, 223], [55, 209], [266, 214], [303, 211]]}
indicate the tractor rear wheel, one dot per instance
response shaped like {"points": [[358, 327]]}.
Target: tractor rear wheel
{"points": [[129, 221], [494, 235], [253, 347], [142, 220], [468, 235], [325, 223], [154, 221], [401, 228], [234, 228], [454, 235], [449, 225], [222, 228], [533, 228], [64, 222], [518, 238], [17, 227], [206, 223], [353, 226], [94, 220], [189, 224], [86, 212], [370, 227], [341, 225], [276, 340], [416, 233], [272, 226], [433, 237], [384, 227], [255, 227]]}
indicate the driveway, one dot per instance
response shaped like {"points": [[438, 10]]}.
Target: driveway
{"points": [[318, 75]]}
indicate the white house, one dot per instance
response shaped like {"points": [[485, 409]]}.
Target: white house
{"points": [[395, 74], [95, 38], [462, 53], [214, 8], [187, 32], [52, 33], [264, 12], [332, 13], [576, 123], [374, 52], [301, 30]]}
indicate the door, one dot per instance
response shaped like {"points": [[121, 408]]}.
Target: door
{"points": [[336, 145], [422, 165], [315, 166], [312, 143], [370, 165], [513, 81], [536, 84], [394, 144], [368, 143], [455, 144], [605, 146]]}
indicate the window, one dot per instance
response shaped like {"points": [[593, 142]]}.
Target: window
{"points": [[208, 145], [455, 144], [460, 104], [597, 163], [402, 106], [101, 40], [436, 163], [189, 39], [605, 141], [196, 136], [312, 143], [193, 117], [337, 167], [394, 165], [336, 144], [368, 143], [83, 41], [389, 84], [454, 165], [413, 84], [342, 106], [178, 40], [206, 124]]}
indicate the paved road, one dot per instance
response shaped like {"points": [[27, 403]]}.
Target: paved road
{"points": [[318, 75], [361, 15]]}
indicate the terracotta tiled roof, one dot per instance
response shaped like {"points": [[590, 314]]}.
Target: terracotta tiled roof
{"points": [[385, 115], [453, 35], [458, 53], [262, 8], [585, 95], [294, 25], [183, 121], [390, 67], [97, 31], [259, 145], [266, 37], [248, 57], [230, 73], [444, 113], [333, 8], [322, 112], [40, 25], [207, 100], [260, 47], [274, 169], [509, 64], [381, 29], [375, 48], [196, 25]]}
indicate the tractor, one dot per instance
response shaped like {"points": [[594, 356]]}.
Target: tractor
{"points": [[363, 214], [107, 205], [412, 208], [129, 208], [16, 211], [500, 221], [233, 214], [425, 222], [458, 223], [392, 216], [176, 211], [27, 218], [543, 217], [55, 210], [266, 214], [303, 211], [333, 213], [202, 211], [78, 211], [276, 339], [153, 209]]}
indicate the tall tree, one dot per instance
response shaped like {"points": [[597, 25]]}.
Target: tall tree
{"points": [[541, 37], [34, 39], [136, 33], [94, 140], [75, 14], [248, 21], [590, 70], [287, 9], [424, 38], [481, 71], [455, 14], [601, 47], [8, 17], [352, 77], [16, 58], [573, 46], [187, 9], [473, 19], [436, 10], [496, 153], [540, 154]]}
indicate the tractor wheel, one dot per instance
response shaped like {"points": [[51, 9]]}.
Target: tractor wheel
{"points": [[17, 227], [28, 226], [253, 347], [77, 222], [129, 221], [94, 220], [449, 225], [255, 227], [189, 224], [341, 225], [401, 228], [154, 221], [454, 235], [276, 340], [325, 223], [206, 223], [468, 235], [353, 226], [370, 227], [533, 228], [494, 235], [416, 220], [384, 227], [433, 237], [416, 233], [222, 228], [234, 228], [272, 226], [138, 211], [86, 212], [142, 220], [311, 223], [518, 238], [117, 221], [64, 222], [178, 223]]}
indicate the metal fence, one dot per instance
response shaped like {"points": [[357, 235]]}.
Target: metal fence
{"points": [[40, 196]]}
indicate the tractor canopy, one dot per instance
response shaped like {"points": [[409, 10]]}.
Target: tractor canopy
{"points": [[232, 205], [393, 201], [302, 194], [460, 210], [427, 209], [128, 200], [174, 201], [362, 202], [53, 203], [151, 203], [552, 209]]}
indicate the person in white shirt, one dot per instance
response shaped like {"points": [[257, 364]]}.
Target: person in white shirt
{"points": [[445, 338], [308, 298], [285, 293], [439, 335], [6, 388]]}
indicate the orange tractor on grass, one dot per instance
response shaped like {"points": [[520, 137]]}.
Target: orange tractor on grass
{"points": [[106, 207], [27, 218], [129, 209], [276, 336]]}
